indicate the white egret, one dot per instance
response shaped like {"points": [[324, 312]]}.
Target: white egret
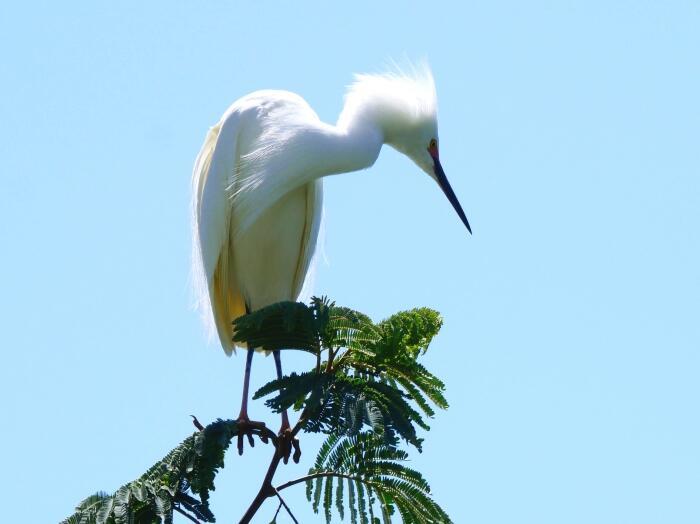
{"points": [[258, 193]]}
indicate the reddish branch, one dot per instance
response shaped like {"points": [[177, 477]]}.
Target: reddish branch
{"points": [[283, 445]]}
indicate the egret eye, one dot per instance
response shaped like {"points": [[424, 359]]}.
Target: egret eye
{"points": [[433, 144]]}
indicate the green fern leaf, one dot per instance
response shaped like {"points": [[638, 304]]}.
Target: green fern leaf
{"points": [[328, 498], [352, 503], [284, 325], [339, 502], [374, 473]]}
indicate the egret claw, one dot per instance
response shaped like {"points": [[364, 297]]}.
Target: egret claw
{"points": [[250, 428], [240, 443], [297, 450], [286, 441]]}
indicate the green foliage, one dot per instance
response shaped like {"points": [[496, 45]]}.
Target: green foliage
{"points": [[171, 483], [370, 375], [285, 325], [375, 478], [367, 392]]}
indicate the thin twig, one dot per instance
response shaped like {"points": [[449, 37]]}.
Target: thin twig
{"points": [[331, 356], [277, 512], [186, 515], [314, 476], [285, 506], [197, 423]]}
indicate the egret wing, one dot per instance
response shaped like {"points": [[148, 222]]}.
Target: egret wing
{"points": [[213, 177], [314, 212]]}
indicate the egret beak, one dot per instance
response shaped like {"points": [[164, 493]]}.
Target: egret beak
{"points": [[447, 189]]}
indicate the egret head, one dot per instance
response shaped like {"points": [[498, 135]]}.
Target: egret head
{"points": [[427, 158], [404, 107]]}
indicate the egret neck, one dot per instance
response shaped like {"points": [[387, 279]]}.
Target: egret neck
{"points": [[350, 149]]}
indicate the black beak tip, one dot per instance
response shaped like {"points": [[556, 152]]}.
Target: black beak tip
{"points": [[447, 189]]}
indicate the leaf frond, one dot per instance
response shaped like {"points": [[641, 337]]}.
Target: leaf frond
{"points": [[375, 476], [185, 473]]}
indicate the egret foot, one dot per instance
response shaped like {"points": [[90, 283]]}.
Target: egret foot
{"points": [[287, 441], [249, 428], [285, 437]]}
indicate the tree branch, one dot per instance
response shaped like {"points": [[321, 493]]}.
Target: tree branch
{"points": [[285, 506], [186, 515], [331, 356], [266, 490]]}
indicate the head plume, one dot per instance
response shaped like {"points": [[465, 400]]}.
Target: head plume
{"points": [[397, 101]]}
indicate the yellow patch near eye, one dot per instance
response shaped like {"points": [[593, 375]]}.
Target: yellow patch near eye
{"points": [[432, 147]]}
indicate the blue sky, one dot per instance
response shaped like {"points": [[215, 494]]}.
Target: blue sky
{"points": [[570, 132]]}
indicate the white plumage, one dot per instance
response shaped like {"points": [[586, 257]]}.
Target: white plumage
{"points": [[258, 191], [255, 229]]}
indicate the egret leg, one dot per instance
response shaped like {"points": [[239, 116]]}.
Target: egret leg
{"points": [[246, 427], [278, 365], [246, 384]]}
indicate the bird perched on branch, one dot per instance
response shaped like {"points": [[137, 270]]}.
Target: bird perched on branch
{"points": [[257, 190]]}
